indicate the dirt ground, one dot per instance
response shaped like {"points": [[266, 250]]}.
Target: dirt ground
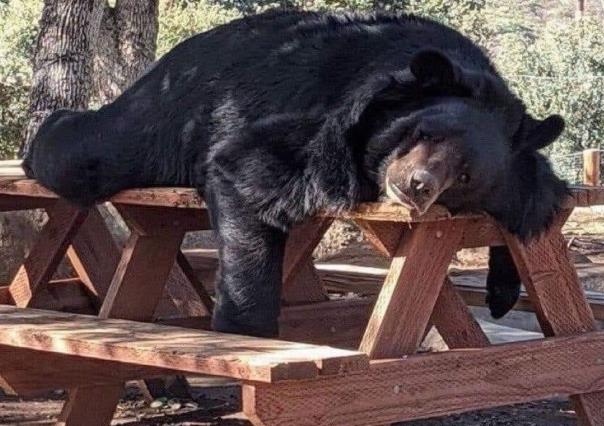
{"points": [[217, 404]]}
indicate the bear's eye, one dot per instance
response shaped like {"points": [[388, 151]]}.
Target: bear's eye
{"points": [[464, 178]]}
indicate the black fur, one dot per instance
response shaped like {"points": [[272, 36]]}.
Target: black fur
{"points": [[277, 116]]}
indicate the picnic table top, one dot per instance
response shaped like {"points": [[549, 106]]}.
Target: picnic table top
{"points": [[14, 183]]}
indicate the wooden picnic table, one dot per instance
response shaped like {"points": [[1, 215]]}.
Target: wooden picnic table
{"points": [[383, 382]]}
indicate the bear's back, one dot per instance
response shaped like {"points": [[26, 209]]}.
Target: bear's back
{"points": [[290, 61]]}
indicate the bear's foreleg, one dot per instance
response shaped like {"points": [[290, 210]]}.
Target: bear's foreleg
{"points": [[503, 282], [251, 260]]}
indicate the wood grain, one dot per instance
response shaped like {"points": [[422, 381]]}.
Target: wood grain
{"points": [[455, 322], [384, 236], [300, 282], [429, 385], [137, 288], [559, 300], [188, 198], [197, 352], [591, 167], [153, 220], [409, 293], [31, 372], [337, 323], [94, 255], [47, 253], [90, 406]]}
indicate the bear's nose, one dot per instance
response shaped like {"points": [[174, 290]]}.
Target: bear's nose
{"points": [[422, 185]]}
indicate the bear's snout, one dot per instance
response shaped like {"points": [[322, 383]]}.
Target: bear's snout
{"points": [[418, 191]]}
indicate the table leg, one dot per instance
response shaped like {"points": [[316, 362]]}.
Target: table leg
{"points": [[134, 292], [559, 301], [301, 284], [411, 289], [54, 239], [455, 322], [451, 315]]}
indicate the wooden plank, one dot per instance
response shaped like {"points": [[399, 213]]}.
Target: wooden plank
{"points": [[338, 323], [25, 187], [155, 240], [197, 352], [182, 297], [384, 236], [11, 203], [188, 198], [455, 322], [429, 385], [134, 280], [408, 296], [94, 254], [197, 285], [90, 406], [47, 253], [304, 286], [153, 220], [300, 283], [182, 198], [30, 372], [591, 167], [552, 284], [367, 281], [559, 300]]}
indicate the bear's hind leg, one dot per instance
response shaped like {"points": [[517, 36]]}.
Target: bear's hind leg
{"points": [[251, 260]]}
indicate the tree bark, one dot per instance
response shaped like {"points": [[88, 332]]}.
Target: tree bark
{"points": [[62, 78], [62, 68], [126, 46]]}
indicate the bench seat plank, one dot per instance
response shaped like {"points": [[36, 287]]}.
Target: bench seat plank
{"points": [[178, 349]]}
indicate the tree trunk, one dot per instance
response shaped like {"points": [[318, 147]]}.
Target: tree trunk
{"points": [[61, 79], [62, 68], [126, 46]]}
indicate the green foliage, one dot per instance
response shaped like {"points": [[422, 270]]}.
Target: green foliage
{"points": [[562, 71], [181, 19], [18, 27]]}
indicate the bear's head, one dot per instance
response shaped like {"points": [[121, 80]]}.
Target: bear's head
{"points": [[438, 133]]}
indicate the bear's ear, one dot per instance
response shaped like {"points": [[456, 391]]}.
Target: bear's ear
{"points": [[536, 134], [432, 67]]}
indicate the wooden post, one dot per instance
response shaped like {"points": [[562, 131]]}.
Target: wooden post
{"points": [[133, 294], [591, 167], [47, 253], [301, 284], [559, 300], [411, 289]]}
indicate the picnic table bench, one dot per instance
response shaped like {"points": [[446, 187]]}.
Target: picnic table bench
{"points": [[288, 383]]}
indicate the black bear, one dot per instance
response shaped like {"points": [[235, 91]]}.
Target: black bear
{"points": [[277, 116]]}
